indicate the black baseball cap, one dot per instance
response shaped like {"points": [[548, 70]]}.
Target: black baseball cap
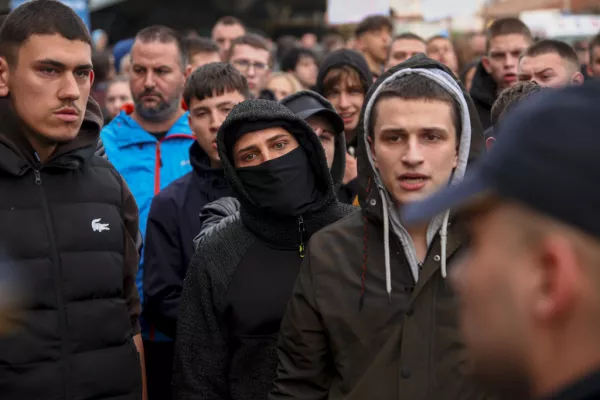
{"points": [[546, 157], [306, 104]]}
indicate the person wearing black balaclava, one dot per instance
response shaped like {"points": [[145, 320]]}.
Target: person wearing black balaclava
{"points": [[241, 277]]}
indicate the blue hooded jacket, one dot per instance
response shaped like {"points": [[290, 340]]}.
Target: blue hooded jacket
{"points": [[147, 164]]}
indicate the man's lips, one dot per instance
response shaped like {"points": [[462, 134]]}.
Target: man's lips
{"points": [[67, 114], [347, 117], [412, 181], [510, 78]]}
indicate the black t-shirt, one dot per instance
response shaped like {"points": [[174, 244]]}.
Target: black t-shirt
{"points": [[159, 135]]}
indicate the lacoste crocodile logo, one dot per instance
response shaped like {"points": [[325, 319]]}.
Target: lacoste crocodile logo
{"points": [[98, 227]]}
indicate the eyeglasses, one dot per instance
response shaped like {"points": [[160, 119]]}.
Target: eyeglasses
{"points": [[244, 65]]}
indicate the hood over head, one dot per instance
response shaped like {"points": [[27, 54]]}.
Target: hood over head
{"points": [[374, 197], [341, 58], [252, 115], [307, 103], [21, 156]]}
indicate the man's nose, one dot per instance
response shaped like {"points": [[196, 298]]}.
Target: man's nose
{"points": [[149, 81], [413, 155], [69, 89]]}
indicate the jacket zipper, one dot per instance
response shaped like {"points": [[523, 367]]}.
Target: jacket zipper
{"points": [[57, 282], [159, 163], [301, 229]]}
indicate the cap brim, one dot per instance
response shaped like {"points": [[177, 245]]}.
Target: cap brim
{"points": [[332, 116], [459, 197]]}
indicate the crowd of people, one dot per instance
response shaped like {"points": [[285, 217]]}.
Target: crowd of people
{"points": [[235, 218]]}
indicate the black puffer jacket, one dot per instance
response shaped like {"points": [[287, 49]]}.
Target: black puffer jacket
{"points": [[67, 230], [241, 277]]}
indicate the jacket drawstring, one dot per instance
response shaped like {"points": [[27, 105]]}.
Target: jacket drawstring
{"points": [[444, 242], [386, 245]]}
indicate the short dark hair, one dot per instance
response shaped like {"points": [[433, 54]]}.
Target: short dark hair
{"points": [[409, 36], [252, 40], [373, 23], [506, 26], [511, 96], [229, 20], [564, 51], [39, 17], [417, 87], [214, 79], [163, 34], [198, 45], [284, 44], [437, 37], [293, 56], [594, 42]]}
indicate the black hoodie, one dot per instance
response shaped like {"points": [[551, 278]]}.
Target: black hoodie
{"points": [[484, 93], [241, 277]]}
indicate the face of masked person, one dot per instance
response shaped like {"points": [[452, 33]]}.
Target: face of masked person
{"points": [[275, 171]]}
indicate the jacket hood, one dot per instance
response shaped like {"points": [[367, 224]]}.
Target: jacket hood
{"points": [[339, 160], [341, 58], [17, 154], [374, 197], [483, 88], [270, 112]]}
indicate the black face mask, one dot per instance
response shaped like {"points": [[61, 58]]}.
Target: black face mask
{"points": [[284, 186]]}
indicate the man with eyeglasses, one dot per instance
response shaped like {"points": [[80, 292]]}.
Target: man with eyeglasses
{"points": [[251, 55]]}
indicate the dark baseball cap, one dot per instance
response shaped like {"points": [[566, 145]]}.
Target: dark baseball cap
{"points": [[546, 157], [306, 104]]}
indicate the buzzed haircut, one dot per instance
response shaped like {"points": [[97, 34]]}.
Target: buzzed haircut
{"points": [[214, 79], [417, 87], [373, 23], [564, 51], [511, 96], [199, 45], [506, 26], [229, 20], [39, 17], [163, 34], [594, 42], [409, 36], [437, 37], [252, 40]]}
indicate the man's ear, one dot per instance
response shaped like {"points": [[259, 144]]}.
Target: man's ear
{"points": [[590, 70], [188, 71], [4, 77], [489, 143], [577, 78], [485, 61], [92, 78], [373, 154]]}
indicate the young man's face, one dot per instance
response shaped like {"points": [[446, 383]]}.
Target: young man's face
{"points": [[49, 85], [157, 79], [326, 134], [414, 146], [403, 49], [306, 71], [206, 117], [117, 95], [200, 59], [347, 98], [594, 66], [549, 70], [253, 63], [442, 50], [502, 59], [376, 44], [223, 35], [258, 147]]}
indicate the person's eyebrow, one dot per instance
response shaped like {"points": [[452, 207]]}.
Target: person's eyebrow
{"points": [[58, 64], [277, 137], [549, 69]]}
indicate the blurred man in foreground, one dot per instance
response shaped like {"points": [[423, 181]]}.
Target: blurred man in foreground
{"points": [[529, 286]]}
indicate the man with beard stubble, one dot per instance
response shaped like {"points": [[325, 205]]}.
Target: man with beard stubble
{"points": [[150, 149]]}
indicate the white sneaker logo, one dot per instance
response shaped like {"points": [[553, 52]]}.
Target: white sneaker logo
{"points": [[98, 227]]}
